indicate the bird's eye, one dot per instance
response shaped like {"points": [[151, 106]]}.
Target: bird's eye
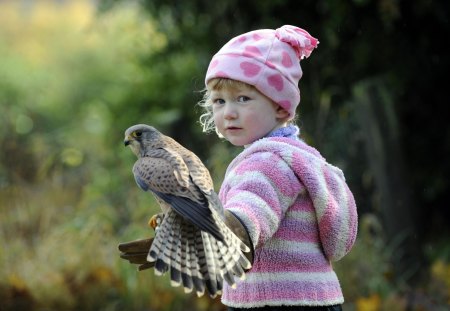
{"points": [[137, 134]]}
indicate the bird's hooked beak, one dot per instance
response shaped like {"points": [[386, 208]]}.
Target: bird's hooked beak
{"points": [[130, 141], [127, 141]]}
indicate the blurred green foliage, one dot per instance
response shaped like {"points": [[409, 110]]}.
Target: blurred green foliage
{"points": [[72, 79]]}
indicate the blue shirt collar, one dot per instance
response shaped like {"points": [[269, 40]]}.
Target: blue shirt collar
{"points": [[290, 131]]}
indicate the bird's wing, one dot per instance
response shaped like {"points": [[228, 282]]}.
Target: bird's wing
{"points": [[198, 172], [199, 175], [175, 161], [197, 214], [157, 175]]}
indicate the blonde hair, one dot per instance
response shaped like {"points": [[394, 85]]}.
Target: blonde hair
{"points": [[216, 84]]}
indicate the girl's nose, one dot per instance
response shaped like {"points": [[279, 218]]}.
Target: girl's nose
{"points": [[230, 112]]}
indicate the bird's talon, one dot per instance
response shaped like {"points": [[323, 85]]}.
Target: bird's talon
{"points": [[155, 221], [152, 222]]}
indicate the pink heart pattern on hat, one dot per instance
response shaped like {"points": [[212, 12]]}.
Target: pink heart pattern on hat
{"points": [[250, 69], [252, 51], [276, 81], [286, 60]]}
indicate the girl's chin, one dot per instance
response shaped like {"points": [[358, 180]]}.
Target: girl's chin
{"points": [[238, 142]]}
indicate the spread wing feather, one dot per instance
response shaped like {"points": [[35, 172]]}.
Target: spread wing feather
{"points": [[196, 213]]}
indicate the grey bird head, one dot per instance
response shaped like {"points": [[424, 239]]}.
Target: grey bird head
{"points": [[140, 137]]}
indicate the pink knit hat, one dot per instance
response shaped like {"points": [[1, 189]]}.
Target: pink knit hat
{"points": [[267, 59]]}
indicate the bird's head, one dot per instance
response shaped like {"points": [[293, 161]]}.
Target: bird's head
{"points": [[140, 137]]}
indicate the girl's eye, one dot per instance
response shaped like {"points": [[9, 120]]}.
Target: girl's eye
{"points": [[218, 101], [243, 99]]}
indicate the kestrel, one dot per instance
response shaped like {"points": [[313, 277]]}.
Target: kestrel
{"points": [[192, 242]]}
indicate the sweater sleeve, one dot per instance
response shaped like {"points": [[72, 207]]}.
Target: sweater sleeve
{"points": [[259, 190], [337, 215], [333, 203]]}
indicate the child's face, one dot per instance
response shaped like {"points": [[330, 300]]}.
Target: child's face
{"points": [[243, 115]]}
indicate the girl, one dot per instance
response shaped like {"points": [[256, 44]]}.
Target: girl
{"points": [[297, 209]]}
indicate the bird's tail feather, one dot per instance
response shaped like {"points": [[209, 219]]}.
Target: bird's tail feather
{"points": [[175, 254], [195, 258], [232, 241], [161, 249], [211, 273], [186, 276], [197, 277]]}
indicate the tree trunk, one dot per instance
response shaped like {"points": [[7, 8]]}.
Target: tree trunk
{"points": [[392, 195]]}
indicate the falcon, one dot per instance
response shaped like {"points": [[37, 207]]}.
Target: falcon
{"points": [[192, 242]]}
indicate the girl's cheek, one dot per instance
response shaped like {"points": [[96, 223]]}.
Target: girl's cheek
{"points": [[216, 118]]}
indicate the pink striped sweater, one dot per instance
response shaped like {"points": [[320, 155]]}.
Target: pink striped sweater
{"points": [[300, 215]]}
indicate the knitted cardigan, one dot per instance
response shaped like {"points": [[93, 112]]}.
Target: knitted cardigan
{"points": [[300, 215]]}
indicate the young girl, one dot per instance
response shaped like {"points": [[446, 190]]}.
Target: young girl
{"points": [[298, 210]]}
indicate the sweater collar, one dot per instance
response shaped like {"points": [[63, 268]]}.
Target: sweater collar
{"points": [[290, 131]]}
